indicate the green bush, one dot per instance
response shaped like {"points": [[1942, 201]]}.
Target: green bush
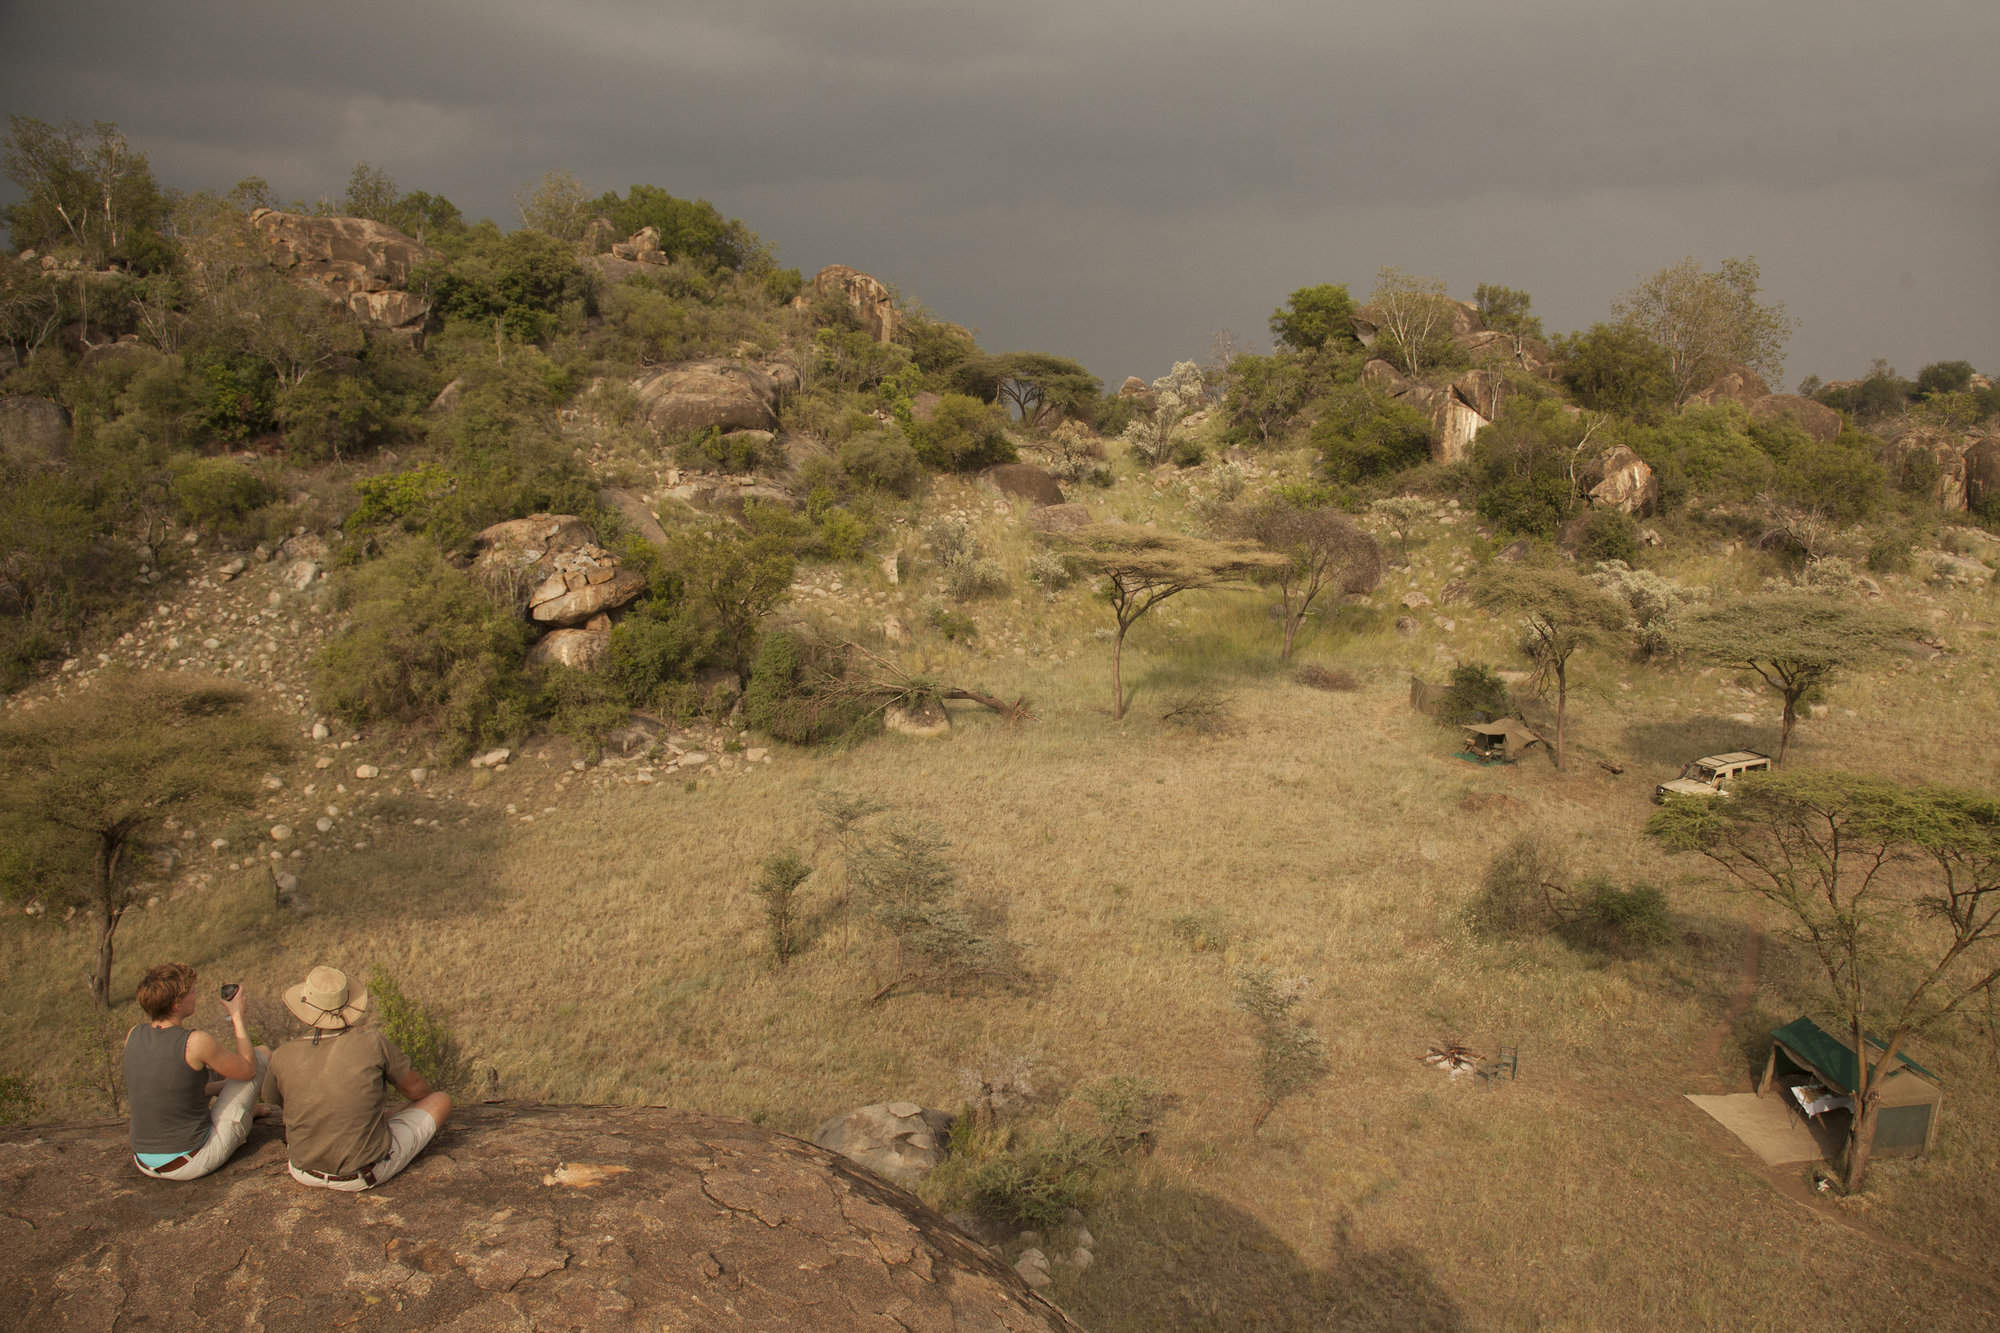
{"points": [[17, 1099], [777, 889], [433, 1049], [1517, 893], [1474, 694], [711, 450], [424, 647], [881, 460], [1362, 434], [793, 692], [219, 493], [1608, 534], [1033, 1183], [963, 435], [654, 650], [1625, 922]]}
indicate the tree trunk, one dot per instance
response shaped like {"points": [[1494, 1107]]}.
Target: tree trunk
{"points": [[1785, 728], [1117, 680], [1861, 1143], [1562, 711], [100, 977], [1292, 623]]}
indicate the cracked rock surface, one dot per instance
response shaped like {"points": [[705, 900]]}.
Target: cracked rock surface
{"points": [[518, 1217]]}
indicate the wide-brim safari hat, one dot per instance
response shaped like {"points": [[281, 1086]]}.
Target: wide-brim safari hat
{"points": [[326, 999]]}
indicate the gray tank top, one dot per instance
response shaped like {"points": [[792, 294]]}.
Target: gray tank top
{"points": [[169, 1100]]}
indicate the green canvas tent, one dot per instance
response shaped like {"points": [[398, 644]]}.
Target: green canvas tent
{"points": [[1819, 1071]]}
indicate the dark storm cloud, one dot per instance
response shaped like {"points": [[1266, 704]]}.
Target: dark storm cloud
{"points": [[1119, 180]]}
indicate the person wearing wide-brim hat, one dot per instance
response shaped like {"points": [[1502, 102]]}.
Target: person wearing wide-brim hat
{"points": [[331, 1083]]}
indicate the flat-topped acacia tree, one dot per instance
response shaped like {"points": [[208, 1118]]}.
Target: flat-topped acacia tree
{"points": [[90, 776], [1143, 567], [1795, 641], [1561, 613]]}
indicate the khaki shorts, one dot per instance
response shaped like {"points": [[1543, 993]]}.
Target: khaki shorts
{"points": [[228, 1126], [410, 1132]]}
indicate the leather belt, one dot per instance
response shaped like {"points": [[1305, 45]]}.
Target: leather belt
{"points": [[366, 1175]]}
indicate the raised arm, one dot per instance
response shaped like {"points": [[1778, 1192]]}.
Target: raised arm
{"points": [[240, 1063]]}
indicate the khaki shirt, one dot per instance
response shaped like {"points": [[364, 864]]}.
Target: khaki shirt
{"points": [[335, 1091]]}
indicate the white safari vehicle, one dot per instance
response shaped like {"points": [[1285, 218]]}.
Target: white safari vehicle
{"points": [[1712, 775]]}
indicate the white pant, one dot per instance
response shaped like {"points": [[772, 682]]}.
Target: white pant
{"points": [[228, 1125], [410, 1132]]}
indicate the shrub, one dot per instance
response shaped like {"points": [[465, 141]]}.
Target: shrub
{"points": [[1516, 896], [219, 493], [432, 1047], [954, 625], [654, 650], [1317, 677], [777, 888], [793, 693], [881, 460], [1051, 570], [963, 435], [1362, 434], [1626, 922], [1474, 694], [711, 450], [1291, 1057], [424, 646], [17, 1099], [1017, 1180], [1130, 1110], [1203, 931], [1608, 534]]}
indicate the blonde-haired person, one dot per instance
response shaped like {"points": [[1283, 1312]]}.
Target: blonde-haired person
{"points": [[333, 1083], [178, 1132]]}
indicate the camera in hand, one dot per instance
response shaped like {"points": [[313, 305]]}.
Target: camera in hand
{"points": [[229, 989]]}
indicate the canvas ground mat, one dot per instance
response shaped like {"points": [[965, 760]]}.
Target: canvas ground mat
{"points": [[1770, 1127]]}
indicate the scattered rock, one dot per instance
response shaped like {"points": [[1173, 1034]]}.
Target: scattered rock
{"points": [[367, 771], [33, 430], [362, 264], [492, 758], [576, 649], [1059, 518], [899, 1141], [281, 832]]}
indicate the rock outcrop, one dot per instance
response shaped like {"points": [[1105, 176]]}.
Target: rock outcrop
{"points": [[1738, 383], [364, 265], [700, 395], [577, 649], [899, 1141], [33, 430], [1622, 480], [868, 297], [1025, 481], [1815, 419], [580, 1218], [551, 567], [1982, 473]]}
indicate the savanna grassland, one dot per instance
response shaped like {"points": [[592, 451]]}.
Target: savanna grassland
{"points": [[600, 945]]}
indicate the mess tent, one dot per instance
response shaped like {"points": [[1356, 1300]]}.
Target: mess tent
{"points": [[1818, 1072], [1501, 742]]}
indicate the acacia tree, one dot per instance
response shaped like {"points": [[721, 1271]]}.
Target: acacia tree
{"points": [[1143, 567], [1707, 321], [1561, 613], [92, 775], [1894, 890], [1414, 318], [1321, 547], [1040, 386], [1795, 641]]}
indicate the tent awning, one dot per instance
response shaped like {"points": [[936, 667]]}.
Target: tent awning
{"points": [[1834, 1058]]}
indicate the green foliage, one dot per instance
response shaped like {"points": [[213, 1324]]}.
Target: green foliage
{"points": [[654, 651], [904, 875], [1475, 693], [1707, 322], [1617, 368], [691, 228], [525, 282], [1129, 1109], [1414, 318], [92, 774], [237, 400], [1506, 309], [1361, 434], [1516, 895], [1608, 534], [1264, 397], [1204, 930], [408, 499], [681, 313], [422, 216], [84, 191], [1652, 603], [881, 460], [1291, 1057], [1041, 387], [219, 493], [1314, 317], [962, 435], [738, 451], [1839, 479], [794, 694], [1018, 1180], [57, 570], [1944, 377], [424, 647], [1707, 450], [777, 888], [332, 416], [732, 577], [1626, 922], [433, 1049]]}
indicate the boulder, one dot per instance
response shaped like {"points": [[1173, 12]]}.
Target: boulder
{"points": [[1380, 375], [725, 495], [577, 649], [868, 298], [1134, 387], [925, 719], [637, 514], [1454, 424], [1982, 474], [700, 395], [362, 264], [1482, 391], [33, 430], [519, 552], [1623, 481], [1060, 518], [1025, 481], [899, 1141], [583, 584], [1815, 419], [576, 1218], [1739, 383], [126, 348]]}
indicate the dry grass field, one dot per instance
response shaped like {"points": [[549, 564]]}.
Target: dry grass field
{"points": [[608, 950]]}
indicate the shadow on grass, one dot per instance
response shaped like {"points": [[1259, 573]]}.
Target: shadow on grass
{"points": [[1669, 744], [1179, 1259], [407, 871]]}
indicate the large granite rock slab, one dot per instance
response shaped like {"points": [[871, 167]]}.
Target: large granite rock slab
{"points": [[518, 1217]]}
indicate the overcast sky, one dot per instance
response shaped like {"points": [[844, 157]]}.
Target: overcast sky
{"points": [[1119, 181]]}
